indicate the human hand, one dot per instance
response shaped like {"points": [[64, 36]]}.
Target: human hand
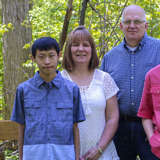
{"points": [[92, 154]]}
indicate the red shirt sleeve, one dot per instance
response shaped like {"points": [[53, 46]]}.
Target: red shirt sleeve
{"points": [[146, 105]]}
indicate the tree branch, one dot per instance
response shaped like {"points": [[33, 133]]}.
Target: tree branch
{"points": [[82, 16], [68, 15]]}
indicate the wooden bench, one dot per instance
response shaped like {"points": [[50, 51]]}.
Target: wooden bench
{"points": [[8, 131]]}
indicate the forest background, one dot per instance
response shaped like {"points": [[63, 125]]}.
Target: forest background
{"points": [[23, 21]]}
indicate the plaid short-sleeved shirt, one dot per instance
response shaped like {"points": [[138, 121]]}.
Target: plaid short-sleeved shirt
{"points": [[48, 111]]}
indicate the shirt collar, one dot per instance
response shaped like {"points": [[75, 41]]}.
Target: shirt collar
{"points": [[141, 43], [55, 82]]}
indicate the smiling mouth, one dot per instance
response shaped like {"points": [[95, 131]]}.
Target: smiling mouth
{"points": [[47, 67], [80, 55], [132, 31]]}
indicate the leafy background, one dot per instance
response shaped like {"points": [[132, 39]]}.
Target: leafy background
{"points": [[102, 18]]}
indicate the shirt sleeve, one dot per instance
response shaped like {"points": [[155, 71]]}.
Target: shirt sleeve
{"points": [[18, 109], [146, 105], [110, 87], [78, 113]]}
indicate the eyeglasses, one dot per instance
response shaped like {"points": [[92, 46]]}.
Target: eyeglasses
{"points": [[136, 22]]}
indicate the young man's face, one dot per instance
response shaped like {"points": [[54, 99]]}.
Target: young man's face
{"points": [[47, 63]]}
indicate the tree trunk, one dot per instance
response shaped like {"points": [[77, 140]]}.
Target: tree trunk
{"points": [[63, 34], [14, 56], [82, 16]]}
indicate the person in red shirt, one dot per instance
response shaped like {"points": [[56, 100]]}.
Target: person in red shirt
{"points": [[149, 109]]}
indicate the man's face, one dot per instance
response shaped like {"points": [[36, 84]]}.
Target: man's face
{"points": [[133, 25], [47, 62]]}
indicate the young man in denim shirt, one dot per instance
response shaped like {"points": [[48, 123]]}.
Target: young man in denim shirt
{"points": [[128, 63], [47, 108]]}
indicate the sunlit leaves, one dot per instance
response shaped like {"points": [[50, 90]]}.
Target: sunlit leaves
{"points": [[26, 46], [5, 28], [47, 17]]}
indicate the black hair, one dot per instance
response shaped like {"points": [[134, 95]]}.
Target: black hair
{"points": [[45, 43]]}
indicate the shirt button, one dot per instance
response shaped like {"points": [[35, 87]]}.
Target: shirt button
{"points": [[132, 103], [132, 90], [132, 77], [132, 65]]}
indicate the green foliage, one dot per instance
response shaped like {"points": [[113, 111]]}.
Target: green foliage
{"points": [[102, 20], [47, 18], [5, 28], [10, 156]]}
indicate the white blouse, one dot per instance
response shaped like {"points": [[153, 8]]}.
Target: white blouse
{"points": [[94, 97]]}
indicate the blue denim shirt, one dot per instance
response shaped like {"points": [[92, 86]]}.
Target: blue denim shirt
{"points": [[48, 111], [128, 69]]}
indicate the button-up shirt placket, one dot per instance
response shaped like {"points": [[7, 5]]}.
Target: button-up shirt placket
{"points": [[48, 87], [48, 110], [132, 78]]}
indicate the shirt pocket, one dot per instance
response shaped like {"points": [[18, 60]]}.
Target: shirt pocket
{"points": [[60, 132], [64, 111], [155, 91], [33, 111]]}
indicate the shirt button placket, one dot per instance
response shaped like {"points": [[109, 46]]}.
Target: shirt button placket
{"points": [[132, 77], [132, 104], [48, 110]]}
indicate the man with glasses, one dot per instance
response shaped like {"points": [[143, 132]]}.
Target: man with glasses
{"points": [[128, 63]]}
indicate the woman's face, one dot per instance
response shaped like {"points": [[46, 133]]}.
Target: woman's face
{"points": [[81, 52]]}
